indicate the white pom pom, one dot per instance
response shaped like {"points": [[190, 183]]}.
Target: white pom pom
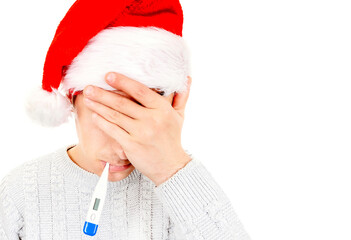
{"points": [[49, 109]]}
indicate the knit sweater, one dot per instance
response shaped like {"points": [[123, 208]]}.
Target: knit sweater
{"points": [[48, 198]]}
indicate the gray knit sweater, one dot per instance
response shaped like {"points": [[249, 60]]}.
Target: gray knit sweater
{"points": [[48, 198]]}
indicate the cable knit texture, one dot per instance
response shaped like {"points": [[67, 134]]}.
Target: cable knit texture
{"points": [[48, 198]]}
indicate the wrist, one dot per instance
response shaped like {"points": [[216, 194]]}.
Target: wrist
{"points": [[181, 163]]}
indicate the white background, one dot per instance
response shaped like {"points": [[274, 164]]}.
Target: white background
{"points": [[268, 114]]}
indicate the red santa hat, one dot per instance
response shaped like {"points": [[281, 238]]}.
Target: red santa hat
{"points": [[141, 39]]}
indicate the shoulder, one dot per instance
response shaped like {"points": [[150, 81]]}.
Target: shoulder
{"points": [[12, 185], [18, 172]]}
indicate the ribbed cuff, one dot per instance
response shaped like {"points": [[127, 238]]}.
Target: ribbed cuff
{"points": [[187, 193]]}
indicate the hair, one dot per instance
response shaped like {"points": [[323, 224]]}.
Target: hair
{"points": [[74, 99]]}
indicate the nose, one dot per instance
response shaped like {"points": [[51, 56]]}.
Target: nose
{"points": [[121, 154], [119, 151]]}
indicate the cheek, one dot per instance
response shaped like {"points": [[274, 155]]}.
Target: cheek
{"points": [[89, 133]]}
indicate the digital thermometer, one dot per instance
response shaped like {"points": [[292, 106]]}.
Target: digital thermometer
{"points": [[96, 204]]}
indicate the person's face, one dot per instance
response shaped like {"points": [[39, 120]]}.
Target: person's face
{"points": [[95, 146]]}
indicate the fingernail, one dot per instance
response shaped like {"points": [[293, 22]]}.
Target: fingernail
{"points": [[110, 77]]}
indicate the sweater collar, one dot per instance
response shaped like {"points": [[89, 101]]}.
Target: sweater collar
{"points": [[71, 170]]}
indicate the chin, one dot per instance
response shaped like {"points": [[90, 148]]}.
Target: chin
{"points": [[117, 176]]}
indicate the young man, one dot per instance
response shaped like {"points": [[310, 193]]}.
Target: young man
{"points": [[132, 119]]}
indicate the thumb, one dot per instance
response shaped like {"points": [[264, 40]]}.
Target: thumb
{"points": [[180, 98]]}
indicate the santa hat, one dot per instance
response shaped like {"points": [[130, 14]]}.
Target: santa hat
{"points": [[140, 39]]}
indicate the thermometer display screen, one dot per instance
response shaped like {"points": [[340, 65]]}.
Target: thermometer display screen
{"points": [[96, 204]]}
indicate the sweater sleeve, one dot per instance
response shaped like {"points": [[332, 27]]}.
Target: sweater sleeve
{"points": [[198, 206], [11, 220]]}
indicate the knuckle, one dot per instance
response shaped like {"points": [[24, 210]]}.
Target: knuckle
{"points": [[155, 121], [148, 133], [164, 117], [168, 113], [113, 115], [158, 124], [97, 91], [140, 92], [118, 102]]}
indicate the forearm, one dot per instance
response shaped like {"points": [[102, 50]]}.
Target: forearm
{"points": [[198, 206]]}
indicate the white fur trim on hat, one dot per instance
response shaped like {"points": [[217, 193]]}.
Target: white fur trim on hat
{"points": [[49, 109], [150, 55]]}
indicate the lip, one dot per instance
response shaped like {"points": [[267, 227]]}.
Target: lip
{"points": [[117, 168], [114, 168]]}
